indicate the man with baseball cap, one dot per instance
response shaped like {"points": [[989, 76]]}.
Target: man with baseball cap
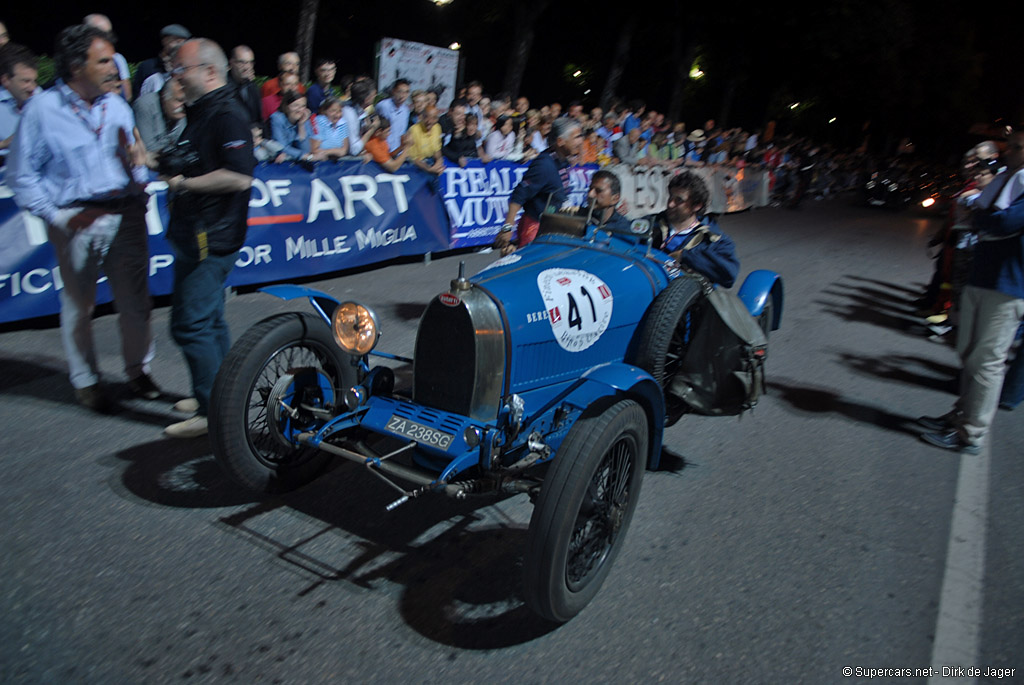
{"points": [[171, 36]]}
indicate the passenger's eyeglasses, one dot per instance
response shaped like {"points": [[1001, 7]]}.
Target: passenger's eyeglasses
{"points": [[989, 166], [178, 71]]}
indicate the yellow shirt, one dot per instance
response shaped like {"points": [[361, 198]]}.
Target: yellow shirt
{"points": [[424, 143]]}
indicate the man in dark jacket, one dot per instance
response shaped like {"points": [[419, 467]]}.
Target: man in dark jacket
{"points": [[692, 238], [209, 207], [241, 72], [992, 308], [545, 184]]}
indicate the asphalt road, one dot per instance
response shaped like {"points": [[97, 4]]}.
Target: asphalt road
{"points": [[813, 534]]}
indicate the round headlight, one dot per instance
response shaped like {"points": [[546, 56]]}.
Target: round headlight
{"points": [[355, 328]]}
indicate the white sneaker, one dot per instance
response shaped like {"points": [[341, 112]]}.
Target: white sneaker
{"points": [[189, 428], [189, 405]]}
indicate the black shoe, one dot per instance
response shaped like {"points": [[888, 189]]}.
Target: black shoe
{"points": [[93, 398], [144, 387], [938, 424], [950, 441]]}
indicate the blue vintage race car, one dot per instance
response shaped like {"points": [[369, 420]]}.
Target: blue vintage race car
{"points": [[552, 372]]}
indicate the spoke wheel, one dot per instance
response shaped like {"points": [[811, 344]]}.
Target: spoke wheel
{"points": [[584, 510], [280, 368]]}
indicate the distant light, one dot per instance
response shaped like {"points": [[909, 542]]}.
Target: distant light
{"points": [[586, 92], [577, 73], [441, 3], [696, 73], [928, 202], [794, 105], [832, 120], [454, 46]]}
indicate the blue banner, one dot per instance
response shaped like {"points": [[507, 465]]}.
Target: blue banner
{"points": [[339, 215], [301, 222], [476, 197]]}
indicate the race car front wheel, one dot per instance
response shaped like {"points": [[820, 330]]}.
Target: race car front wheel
{"points": [[265, 389], [584, 509]]}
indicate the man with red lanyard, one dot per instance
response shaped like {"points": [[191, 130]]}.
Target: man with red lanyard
{"points": [[545, 184], [75, 164]]}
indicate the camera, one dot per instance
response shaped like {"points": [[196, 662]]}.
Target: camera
{"points": [[180, 158]]}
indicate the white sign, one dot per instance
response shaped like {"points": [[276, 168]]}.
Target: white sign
{"points": [[579, 306], [426, 67]]}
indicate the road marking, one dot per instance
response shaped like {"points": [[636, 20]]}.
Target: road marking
{"points": [[958, 631]]}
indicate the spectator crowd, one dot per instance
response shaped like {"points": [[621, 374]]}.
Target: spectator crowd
{"points": [[344, 116]]}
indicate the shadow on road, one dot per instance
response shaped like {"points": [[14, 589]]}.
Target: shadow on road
{"points": [[408, 311], [460, 586], [881, 304], [18, 376], [855, 306], [913, 291], [178, 473], [900, 368], [45, 378], [823, 401]]}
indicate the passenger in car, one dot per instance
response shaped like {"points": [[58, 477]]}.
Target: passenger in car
{"points": [[692, 238]]}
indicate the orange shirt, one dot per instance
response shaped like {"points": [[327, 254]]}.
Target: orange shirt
{"points": [[273, 86], [588, 155], [378, 149]]}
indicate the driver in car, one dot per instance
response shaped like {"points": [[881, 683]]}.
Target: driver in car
{"points": [[603, 200], [691, 237]]}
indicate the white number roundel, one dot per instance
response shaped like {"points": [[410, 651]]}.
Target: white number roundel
{"points": [[579, 306]]}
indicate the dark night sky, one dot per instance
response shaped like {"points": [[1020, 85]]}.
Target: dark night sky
{"points": [[924, 69]]}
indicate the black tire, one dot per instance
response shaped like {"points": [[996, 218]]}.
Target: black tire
{"points": [[767, 315], [243, 440], [584, 509], [663, 339]]}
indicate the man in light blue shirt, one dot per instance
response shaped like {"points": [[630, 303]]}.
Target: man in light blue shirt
{"points": [[396, 110], [74, 163], [18, 81]]}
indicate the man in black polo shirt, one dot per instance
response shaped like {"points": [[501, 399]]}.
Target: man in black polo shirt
{"points": [[209, 207]]}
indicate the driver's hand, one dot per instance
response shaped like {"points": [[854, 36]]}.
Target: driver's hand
{"points": [[507, 250]]}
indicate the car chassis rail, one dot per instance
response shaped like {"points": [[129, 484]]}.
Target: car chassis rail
{"points": [[381, 465]]}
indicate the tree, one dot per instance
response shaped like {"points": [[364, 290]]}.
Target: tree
{"points": [[619, 61], [304, 36], [526, 16]]}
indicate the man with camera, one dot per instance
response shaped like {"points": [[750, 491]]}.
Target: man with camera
{"points": [[209, 207], [75, 163]]}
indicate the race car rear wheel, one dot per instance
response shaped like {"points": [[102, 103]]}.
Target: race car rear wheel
{"points": [[666, 331], [281, 365], [584, 509], [766, 317]]}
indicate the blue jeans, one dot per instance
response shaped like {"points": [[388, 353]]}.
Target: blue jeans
{"points": [[197, 318]]}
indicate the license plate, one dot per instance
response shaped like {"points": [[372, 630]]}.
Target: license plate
{"points": [[418, 432]]}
